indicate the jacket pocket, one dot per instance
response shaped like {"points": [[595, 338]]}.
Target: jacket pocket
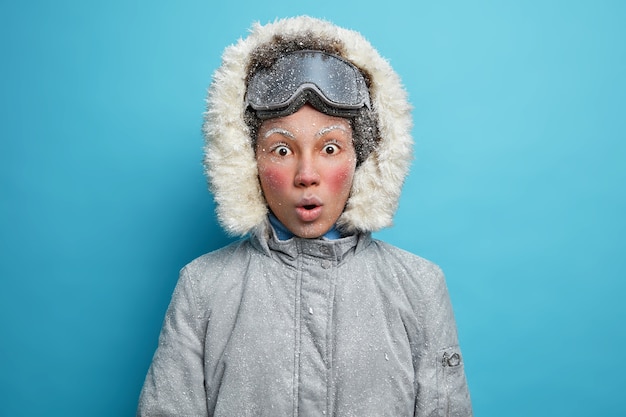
{"points": [[454, 400]]}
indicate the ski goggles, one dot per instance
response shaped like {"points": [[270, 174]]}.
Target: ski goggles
{"points": [[337, 84]]}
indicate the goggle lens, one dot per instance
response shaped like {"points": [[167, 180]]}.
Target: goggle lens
{"points": [[337, 82]]}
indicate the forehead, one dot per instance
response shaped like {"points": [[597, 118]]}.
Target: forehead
{"points": [[306, 120]]}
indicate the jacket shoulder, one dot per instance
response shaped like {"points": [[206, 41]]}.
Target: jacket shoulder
{"points": [[401, 258], [218, 258], [419, 278], [214, 271]]}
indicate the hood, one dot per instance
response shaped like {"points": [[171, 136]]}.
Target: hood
{"points": [[229, 159]]}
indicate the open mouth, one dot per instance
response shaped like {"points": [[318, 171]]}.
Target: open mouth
{"points": [[309, 212]]}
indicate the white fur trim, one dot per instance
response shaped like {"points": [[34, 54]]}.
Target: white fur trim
{"points": [[229, 158]]}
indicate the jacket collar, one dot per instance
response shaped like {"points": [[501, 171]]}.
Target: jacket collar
{"points": [[288, 251]]}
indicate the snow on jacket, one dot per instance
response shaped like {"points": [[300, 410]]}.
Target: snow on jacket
{"points": [[347, 327], [308, 327]]}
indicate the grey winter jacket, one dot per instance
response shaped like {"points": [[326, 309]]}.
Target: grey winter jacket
{"points": [[348, 327]]}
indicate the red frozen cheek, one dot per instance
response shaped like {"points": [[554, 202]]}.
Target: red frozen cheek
{"points": [[273, 177], [339, 179]]}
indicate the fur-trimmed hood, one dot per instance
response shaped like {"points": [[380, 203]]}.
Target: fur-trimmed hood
{"points": [[229, 155]]}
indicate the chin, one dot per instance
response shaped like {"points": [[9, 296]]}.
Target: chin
{"points": [[310, 232]]}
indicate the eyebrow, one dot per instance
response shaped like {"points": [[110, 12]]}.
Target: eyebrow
{"points": [[280, 131], [325, 130], [289, 135]]}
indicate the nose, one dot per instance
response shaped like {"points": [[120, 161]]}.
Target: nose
{"points": [[307, 174]]}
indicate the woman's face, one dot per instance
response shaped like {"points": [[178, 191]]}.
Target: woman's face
{"points": [[306, 164]]}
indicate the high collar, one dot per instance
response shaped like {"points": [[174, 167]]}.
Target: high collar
{"points": [[288, 251]]}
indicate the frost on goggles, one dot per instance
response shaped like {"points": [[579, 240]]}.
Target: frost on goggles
{"points": [[336, 82]]}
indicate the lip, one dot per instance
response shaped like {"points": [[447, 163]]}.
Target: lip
{"points": [[309, 209]]}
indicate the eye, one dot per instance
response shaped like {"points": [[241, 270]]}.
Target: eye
{"points": [[281, 150], [331, 149]]}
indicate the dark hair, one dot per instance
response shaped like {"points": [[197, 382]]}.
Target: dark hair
{"points": [[365, 134]]}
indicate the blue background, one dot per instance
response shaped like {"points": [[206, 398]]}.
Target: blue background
{"points": [[517, 190]]}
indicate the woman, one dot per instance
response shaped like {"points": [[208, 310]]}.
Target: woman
{"points": [[308, 143]]}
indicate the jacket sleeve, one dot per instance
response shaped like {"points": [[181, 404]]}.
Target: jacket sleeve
{"points": [[441, 389], [174, 385]]}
